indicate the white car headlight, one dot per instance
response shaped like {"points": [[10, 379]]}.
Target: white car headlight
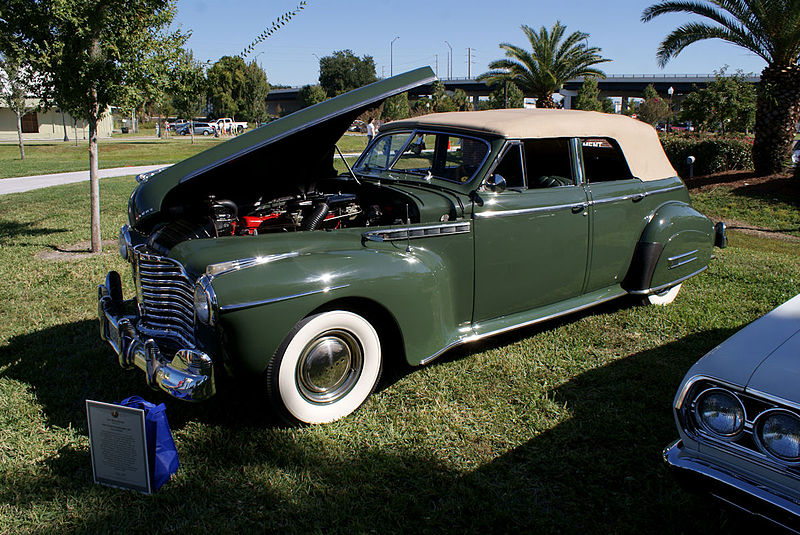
{"points": [[205, 301], [778, 433], [720, 412]]}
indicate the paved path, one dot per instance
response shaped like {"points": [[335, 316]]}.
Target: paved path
{"points": [[27, 183]]}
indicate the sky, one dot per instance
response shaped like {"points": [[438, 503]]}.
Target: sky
{"points": [[421, 30]]}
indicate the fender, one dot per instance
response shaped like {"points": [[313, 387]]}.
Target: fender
{"points": [[676, 244], [259, 305]]}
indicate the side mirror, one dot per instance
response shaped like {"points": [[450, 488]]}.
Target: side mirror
{"points": [[496, 183]]}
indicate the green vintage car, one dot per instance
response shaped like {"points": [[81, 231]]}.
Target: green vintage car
{"points": [[256, 258]]}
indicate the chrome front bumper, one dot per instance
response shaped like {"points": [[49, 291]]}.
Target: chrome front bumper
{"points": [[756, 499], [188, 376]]}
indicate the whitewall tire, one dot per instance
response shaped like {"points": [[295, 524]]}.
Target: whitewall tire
{"points": [[327, 366], [664, 298]]}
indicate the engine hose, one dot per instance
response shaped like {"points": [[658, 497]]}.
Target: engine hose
{"points": [[317, 216]]}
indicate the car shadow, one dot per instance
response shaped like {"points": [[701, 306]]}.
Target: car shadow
{"points": [[242, 474]]}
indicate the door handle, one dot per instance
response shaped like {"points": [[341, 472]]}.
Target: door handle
{"points": [[576, 208], [638, 197]]}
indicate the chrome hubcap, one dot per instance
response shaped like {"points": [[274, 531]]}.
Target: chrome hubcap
{"points": [[329, 366]]}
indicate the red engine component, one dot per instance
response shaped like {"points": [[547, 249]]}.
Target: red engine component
{"points": [[252, 223]]}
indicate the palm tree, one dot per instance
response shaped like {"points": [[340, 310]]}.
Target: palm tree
{"points": [[768, 28], [551, 61]]}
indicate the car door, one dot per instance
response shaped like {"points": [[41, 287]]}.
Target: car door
{"points": [[531, 240], [617, 213]]}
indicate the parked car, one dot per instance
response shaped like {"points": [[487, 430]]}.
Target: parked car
{"points": [[738, 416], [357, 126], [228, 125], [254, 259], [681, 127], [200, 129]]}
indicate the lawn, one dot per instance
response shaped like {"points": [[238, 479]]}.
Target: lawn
{"points": [[552, 429], [56, 157]]}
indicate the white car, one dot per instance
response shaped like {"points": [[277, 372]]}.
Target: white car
{"points": [[738, 417]]}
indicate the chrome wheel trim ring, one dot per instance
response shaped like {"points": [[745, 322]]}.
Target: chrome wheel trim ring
{"points": [[329, 367]]}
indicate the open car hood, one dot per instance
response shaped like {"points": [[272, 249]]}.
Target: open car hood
{"points": [[288, 154]]}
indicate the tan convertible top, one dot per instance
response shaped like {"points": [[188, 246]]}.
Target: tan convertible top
{"points": [[638, 141]]}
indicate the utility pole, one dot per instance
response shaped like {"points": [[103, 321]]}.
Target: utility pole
{"points": [[469, 63], [449, 61], [391, 56], [436, 62]]}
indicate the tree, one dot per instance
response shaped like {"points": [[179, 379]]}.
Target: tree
{"points": [[771, 30], [506, 94], [310, 95], [342, 71], [17, 84], [726, 104], [396, 107], [460, 100], [227, 86], [256, 91], [552, 60], [608, 106], [440, 100], [589, 96], [187, 87], [654, 109], [96, 53]]}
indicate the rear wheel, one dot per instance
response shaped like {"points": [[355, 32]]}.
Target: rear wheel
{"points": [[663, 298], [327, 366]]}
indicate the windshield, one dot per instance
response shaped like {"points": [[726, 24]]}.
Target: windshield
{"points": [[426, 154]]}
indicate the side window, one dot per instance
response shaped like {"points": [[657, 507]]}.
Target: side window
{"points": [[510, 167], [603, 160], [548, 163]]}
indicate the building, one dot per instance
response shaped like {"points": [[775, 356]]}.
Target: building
{"points": [[48, 125]]}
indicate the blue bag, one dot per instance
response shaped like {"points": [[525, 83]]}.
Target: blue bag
{"points": [[161, 450]]}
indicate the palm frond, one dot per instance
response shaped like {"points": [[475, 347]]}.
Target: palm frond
{"points": [[276, 25]]}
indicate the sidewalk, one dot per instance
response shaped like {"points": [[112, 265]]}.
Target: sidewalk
{"points": [[28, 183]]}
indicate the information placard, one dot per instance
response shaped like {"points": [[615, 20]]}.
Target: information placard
{"points": [[118, 445]]}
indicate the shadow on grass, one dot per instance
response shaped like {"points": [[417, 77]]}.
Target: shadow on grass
{"points": [[598, 471], [14, 229]]}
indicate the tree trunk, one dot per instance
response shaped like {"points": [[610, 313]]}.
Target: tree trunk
{"points": [[64, 124], [191, 129], [19, 134], [94, 179], [777, 113]]}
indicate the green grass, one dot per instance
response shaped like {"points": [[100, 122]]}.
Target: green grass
{"points": [[771, 212], [551, 429], [57, 157]]}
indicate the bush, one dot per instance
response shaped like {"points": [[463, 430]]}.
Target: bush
{"points": [[714, 154]]}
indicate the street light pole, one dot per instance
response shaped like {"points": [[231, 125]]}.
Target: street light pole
{"points": [[670, 91], [391, 56], [449, 61]]}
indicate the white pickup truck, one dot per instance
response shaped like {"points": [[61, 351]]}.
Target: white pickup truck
{"points": [[226, 125]]}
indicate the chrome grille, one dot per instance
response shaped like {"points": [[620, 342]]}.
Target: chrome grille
{"points": [[165, 294]]}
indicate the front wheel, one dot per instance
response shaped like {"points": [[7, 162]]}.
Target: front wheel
{"points": [[327, 366], [206, 133], [663, 298]]}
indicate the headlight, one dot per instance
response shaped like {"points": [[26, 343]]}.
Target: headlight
{"points": [[720, 412], [778, 433], [124, 242], [205, 301]]}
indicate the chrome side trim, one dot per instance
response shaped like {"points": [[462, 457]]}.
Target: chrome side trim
{"points": [[222, 268], [682, 259], [476, 337], [411, 233], [668, 285], [630, 197], [540, 209], [665, 190], [250, 304]]}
